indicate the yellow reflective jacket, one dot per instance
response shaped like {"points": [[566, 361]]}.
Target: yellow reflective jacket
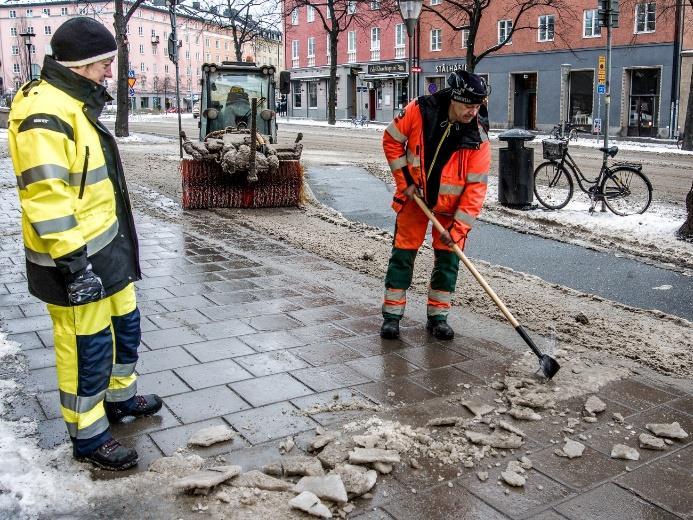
{"points": [[75, 206]]}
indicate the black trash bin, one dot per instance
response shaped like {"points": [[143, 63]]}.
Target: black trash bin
{"points": [[516, 170]]}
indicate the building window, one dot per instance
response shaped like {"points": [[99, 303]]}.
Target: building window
{"points": [[465, 38], [48, 49], [30, 29], [351, 46], [375, 5], [63, 11], [312, 94], [436, 39], [505, 29], [142, 69], [546, 25], [13, 31], [13, 13], [15, 50], [153, 50], [297, 94], [294, 17], [140, 30], [187, 55], [144, 102], [645, 17], [216, 44], [209, 57], [226, 45], [206, 42], [15, 68], [46, 11], [400, 32], [165, 69], [590, 24], [47, 29], [375, 43], [436, 2], [141, 49], [311, 51], [351, 7], [310, 13], [29, 13], [294, 54]]}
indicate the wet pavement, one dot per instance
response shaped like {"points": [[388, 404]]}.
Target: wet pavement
{"points": [[367, 199], [242, 330]]}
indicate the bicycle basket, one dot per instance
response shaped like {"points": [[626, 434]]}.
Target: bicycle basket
{"points": [[554, 149]]}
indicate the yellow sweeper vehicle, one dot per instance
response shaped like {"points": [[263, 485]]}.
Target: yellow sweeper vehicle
{"points": [[237, 162]]}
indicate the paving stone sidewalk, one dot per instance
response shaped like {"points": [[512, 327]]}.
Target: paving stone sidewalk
{"points": [[242, 330]]}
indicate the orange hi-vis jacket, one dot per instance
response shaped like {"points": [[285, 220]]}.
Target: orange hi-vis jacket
{"points": [[463, 179]]}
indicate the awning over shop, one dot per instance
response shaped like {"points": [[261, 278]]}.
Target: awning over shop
{"points": [[312, 78]]}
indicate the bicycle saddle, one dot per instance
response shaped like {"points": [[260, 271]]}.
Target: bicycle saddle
{"points": [[612, 151]]}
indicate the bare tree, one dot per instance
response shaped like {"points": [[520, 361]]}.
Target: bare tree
{"points": [[122, 16], [337, 17], [467, 15], [244, 19]]}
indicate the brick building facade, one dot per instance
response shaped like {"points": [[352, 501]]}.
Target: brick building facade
{"points": [[525, 75], [148, 32]]}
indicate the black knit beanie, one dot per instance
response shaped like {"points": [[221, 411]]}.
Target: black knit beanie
{"points": [[81, 41], [468, 88]]}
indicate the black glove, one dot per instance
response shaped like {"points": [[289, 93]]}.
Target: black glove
{"points": [[84, 287]]}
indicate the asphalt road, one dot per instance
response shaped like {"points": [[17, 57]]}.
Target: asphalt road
{"points": [[366, 199], [670, 173]]}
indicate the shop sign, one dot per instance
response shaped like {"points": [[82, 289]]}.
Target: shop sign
{"points": [[387, 68], [597, 125], [450, 67], [601, 70]]}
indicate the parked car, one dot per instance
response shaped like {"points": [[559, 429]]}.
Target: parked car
{"points": [[196, 110]]}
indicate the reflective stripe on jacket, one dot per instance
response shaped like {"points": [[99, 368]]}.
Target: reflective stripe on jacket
{"points": [[464, 177], [71, 185]]}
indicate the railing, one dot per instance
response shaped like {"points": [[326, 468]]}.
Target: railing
{"points": [[294, 63], [351, 56], [399, 52], [375, 54], [311, 61], [329, 59]]}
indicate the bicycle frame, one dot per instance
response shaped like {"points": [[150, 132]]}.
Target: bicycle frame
{"points": [[580, 177]]}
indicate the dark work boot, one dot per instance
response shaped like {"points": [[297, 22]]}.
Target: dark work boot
{"points": [[440, 329], [138, 406], [390, 328], [111, 455]]}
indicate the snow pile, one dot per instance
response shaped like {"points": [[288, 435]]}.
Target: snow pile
{"points": [[142, 138], [33, 481]]}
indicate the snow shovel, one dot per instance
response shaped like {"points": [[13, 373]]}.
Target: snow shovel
{"points": [[548, 365]]}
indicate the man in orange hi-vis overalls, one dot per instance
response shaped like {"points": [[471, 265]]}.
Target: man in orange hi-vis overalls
{"points": [[436, 147]]}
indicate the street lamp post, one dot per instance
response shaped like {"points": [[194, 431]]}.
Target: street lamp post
{"points": [[410, 11], [27, 36]]}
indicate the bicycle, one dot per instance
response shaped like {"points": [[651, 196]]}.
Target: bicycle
{"points": [[359, 121], [622, 187], [572, 132]]}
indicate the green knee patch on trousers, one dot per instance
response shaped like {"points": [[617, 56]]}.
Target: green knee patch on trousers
{"points": [[445, 268], [400, 269]]}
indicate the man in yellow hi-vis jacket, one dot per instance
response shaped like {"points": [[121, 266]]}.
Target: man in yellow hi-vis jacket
{"points": [[79, 237]]}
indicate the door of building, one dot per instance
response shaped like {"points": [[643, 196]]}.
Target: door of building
{"points": [[525, 101], [371, 104]]}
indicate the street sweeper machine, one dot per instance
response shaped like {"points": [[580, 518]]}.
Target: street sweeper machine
{"points": [[237, 162]]}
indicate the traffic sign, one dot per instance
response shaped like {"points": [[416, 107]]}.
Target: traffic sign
{"points": [[601, 70], [601, 89], [597, 125], [131, 92], [131, 73], [131, 82]]}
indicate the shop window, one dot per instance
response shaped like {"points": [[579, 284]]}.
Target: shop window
{"points": [[297, 94], [581, 98], [643, 119], [434, 84], [312, 94], [144, 102]]}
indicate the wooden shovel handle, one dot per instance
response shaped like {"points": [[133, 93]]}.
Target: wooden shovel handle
{"points": [[468, 264]]}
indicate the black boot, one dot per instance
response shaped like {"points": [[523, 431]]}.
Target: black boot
{"points": [[111, 455], [440, 329], [138, 406], [390, 329]]}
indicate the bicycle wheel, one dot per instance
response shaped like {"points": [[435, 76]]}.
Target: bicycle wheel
{"points": [[553, 185], [627, 191]]}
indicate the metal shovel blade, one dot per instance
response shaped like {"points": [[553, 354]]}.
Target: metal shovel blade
{"points": [[549, 366]]}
